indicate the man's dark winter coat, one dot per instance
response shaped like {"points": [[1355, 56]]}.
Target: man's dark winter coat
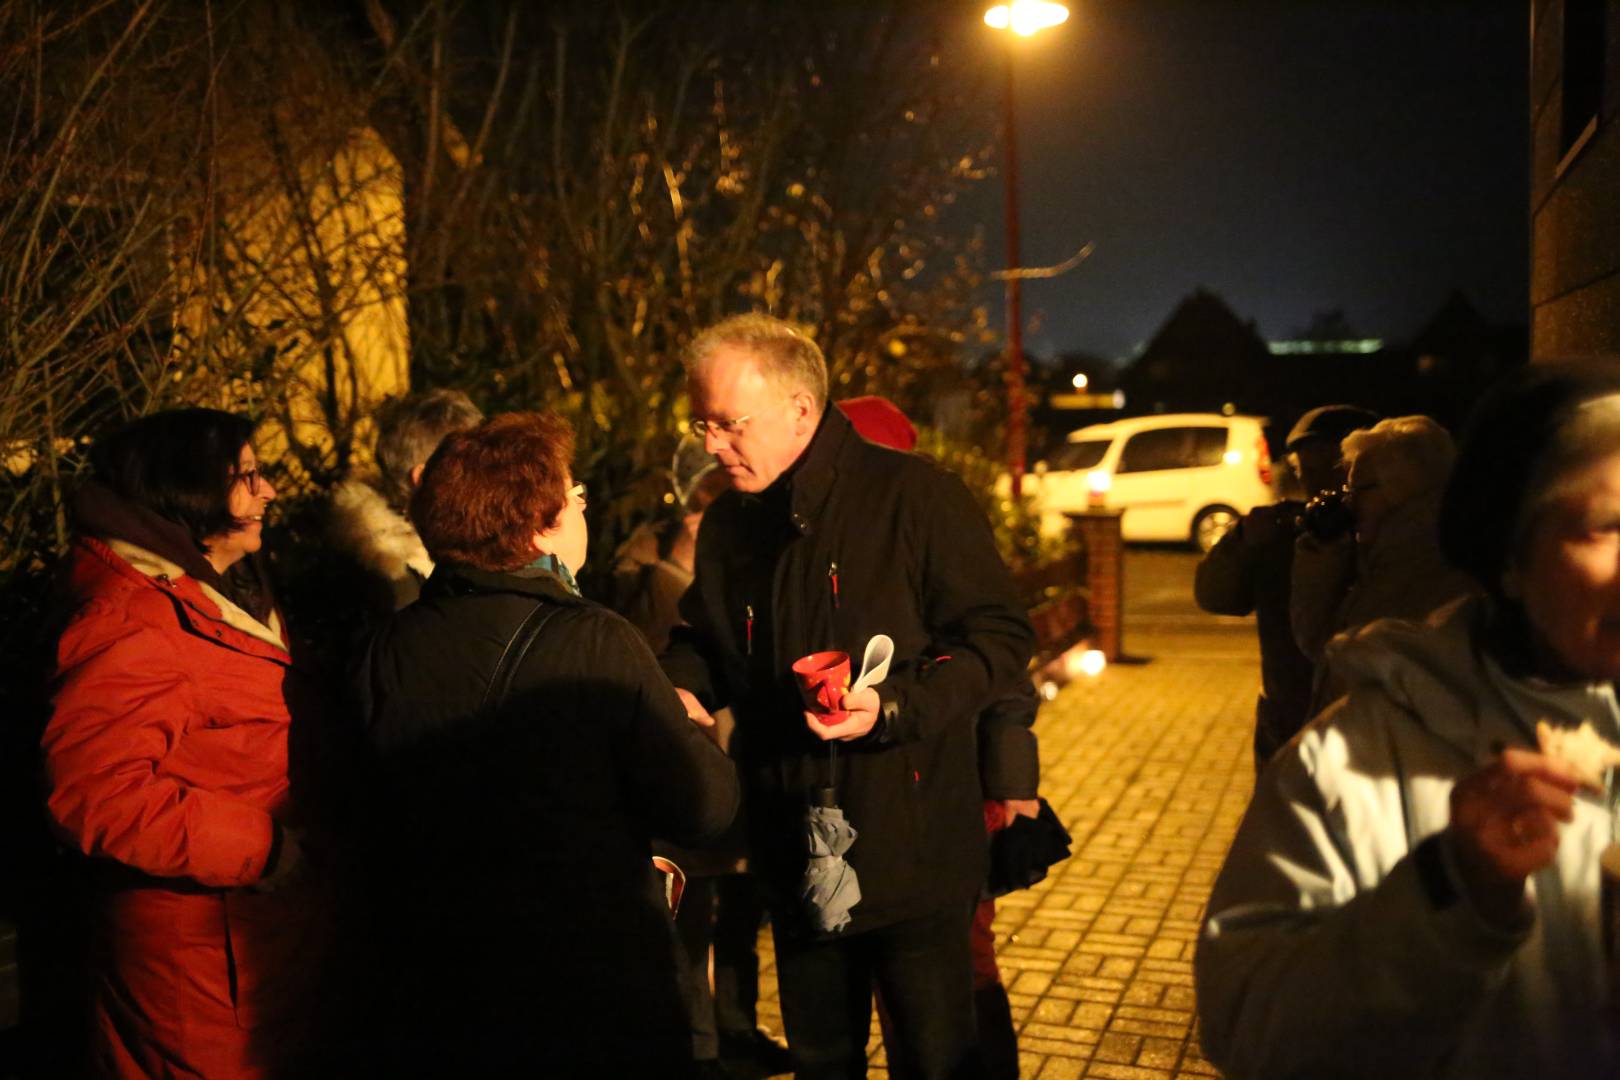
{"points": [[509, 853], [1240, 576], [856, 540]]}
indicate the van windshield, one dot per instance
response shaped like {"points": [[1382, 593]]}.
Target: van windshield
{"points": [[1080, 455]]}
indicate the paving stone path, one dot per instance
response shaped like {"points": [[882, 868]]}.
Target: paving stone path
{"points": [[1149, 767]]}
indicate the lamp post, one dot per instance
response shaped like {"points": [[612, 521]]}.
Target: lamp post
{"points": [[1022, 18]]}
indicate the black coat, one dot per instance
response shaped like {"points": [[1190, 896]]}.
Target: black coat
{"points": [[911, 556], [521, 916]]}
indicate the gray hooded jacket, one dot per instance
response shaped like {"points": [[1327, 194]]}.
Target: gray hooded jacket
{"points": [[1325, 952]]}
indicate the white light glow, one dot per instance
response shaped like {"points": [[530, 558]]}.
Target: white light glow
{"points": [[1080, 381], [1026, 17], [1362, 345], [1092, 662], [1099, 481], [1233, 457], [1049, 691]]}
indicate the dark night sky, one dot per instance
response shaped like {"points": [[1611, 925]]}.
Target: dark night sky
{"points": [[1291, 157]]}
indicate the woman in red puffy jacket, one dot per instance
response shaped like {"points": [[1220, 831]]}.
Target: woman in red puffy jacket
{"points": [[166, 757]]}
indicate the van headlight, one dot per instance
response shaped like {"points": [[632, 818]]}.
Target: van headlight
{"points": [[1098, 481]]}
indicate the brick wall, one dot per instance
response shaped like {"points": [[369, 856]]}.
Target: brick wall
{"points": [[1574, 192], [1105, 571]]}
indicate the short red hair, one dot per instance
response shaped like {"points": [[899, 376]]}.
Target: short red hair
{"points": [[487, 490]]}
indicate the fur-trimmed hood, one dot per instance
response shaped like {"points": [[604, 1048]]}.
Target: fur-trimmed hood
{"points": [[379, 536]]}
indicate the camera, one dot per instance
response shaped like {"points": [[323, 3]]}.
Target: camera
{"points": [[1328, 516]]}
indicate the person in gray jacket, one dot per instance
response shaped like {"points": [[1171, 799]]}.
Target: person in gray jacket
{"points": [[1414, 890]]}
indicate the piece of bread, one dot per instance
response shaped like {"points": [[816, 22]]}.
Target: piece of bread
{"points": [[1587, 754]]}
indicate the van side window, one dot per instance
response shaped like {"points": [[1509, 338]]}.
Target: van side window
{"points": [[1173, 448]]}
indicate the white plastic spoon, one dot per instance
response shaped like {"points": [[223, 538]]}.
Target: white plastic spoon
{"points": [[875, 664]]}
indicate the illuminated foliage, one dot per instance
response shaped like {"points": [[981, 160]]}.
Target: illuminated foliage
{"points": [[625, 179], [256, 207]]}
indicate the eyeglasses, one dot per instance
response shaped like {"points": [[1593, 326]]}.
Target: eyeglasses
{"points": [[577, 492], [250, 477], [721, 427]]}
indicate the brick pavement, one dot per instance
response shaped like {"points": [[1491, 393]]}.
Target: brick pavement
{"points": [[1149, 767]]}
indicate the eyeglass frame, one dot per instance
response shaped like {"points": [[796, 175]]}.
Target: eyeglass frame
{"points": [[250, 477], [729, 428], [578, 490]]}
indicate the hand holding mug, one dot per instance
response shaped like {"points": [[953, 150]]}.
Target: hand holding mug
{"points": [[823, 678], [857, 715]]}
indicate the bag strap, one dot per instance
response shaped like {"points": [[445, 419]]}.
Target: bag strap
{"points": [[517, 647]]}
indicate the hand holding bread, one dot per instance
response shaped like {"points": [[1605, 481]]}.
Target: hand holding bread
{"points": [[1504, 827]]}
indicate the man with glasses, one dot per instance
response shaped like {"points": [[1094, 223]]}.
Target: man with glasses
{"points": [[824, 541]]}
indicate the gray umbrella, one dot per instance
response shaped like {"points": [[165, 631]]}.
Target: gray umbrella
{"points": [[830, 886]]}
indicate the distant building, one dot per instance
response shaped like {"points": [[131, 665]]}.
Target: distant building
{"points": [[1574, 179], [1202, 358], [1206, 358]]}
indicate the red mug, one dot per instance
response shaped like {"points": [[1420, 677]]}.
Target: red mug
{"points": [[823, 677]]}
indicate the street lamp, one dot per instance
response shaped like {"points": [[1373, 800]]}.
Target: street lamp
{"points": [[1023, 18], [1026, 17]]}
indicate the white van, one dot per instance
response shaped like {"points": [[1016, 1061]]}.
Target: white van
{"points": [[1180, 477]]}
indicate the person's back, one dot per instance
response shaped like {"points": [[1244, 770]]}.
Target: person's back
{"points": [[506, 840]]}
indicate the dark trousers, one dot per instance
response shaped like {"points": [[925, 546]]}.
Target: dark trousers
{"points": [[998, 1041], [726, 912], [923, 970]]}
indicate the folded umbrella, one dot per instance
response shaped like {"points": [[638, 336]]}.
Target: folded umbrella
{"points": [[830, 886], [1021, 853]]}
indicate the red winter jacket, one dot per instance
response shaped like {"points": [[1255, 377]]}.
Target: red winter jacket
{"points": [[167, 747], [166, 753]]}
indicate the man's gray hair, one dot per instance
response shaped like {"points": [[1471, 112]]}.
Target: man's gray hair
{"points": [[788, 356], [410, 428]]}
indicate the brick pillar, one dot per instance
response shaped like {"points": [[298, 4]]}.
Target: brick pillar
{"points": [[1105, 576]]}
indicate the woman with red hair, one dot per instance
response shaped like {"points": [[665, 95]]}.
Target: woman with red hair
{"points": [[526, 748]]}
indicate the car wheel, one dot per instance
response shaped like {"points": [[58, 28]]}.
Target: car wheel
{"points": [[1212, 523]]}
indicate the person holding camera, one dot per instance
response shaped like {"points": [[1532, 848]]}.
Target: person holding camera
{"points": [[1250, 572], [1381, 559]]}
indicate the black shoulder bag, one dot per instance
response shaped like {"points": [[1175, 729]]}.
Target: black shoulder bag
{"points": [[517, 647]]}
